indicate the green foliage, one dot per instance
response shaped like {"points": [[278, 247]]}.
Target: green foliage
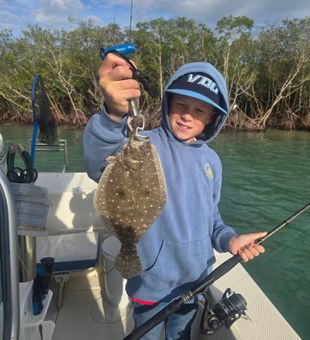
{"points": [[268, 73], [231, 26]]}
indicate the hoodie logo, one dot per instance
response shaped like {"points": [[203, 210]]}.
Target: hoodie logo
{"points": [[208, 171], [204, 81]]}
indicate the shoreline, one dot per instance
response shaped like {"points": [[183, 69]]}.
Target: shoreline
{"points": [[226, 127]]}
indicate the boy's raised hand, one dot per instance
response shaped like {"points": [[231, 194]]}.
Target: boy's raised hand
{"points": [[245, 245], [115, 79]]}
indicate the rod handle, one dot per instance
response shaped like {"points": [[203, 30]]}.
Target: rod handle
{"points": [[155, 320]]}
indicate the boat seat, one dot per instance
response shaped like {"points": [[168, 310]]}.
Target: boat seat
{"points": [[71, 252], [73, 227]]}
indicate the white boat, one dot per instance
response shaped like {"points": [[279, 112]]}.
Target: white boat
{"points": [[86, 297]]}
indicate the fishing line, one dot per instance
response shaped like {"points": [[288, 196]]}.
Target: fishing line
{"points": [[263, 260], [271, 255], [283, 224]]}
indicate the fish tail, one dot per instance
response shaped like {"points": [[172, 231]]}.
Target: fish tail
{"points": [[128, 264]]}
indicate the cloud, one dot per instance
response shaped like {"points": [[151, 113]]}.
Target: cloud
{"points": [[17, 14], [209, 11], [93, 20], [57, 11], [7, 20]]}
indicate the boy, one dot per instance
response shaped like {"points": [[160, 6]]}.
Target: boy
{"points": [[177, 249]]}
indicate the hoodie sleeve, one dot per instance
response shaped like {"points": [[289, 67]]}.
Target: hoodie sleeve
{"points": [[221, 232], [102, 137]]}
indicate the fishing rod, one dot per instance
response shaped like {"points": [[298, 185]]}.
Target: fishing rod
{"points": [[201, 287]]}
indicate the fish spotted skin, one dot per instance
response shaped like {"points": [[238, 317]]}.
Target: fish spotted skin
{"points": [[131, 194]]}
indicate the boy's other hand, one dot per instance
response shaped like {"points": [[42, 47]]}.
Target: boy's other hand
{"points": [[115, 79], [245, 245]]}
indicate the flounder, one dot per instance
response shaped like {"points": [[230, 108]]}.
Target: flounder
{"points": [[131, 194]]}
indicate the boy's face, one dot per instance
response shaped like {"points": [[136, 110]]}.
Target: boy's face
{"points": [[189, 116]]}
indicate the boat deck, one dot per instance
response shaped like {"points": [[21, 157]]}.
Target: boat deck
{"points": [[86, 314], [83, 314]]}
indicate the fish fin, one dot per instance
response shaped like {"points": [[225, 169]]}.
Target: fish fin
{"points": [[128, 264], [98, 201]]}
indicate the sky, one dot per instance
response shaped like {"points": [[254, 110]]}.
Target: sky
{"points": [[16, 15]]}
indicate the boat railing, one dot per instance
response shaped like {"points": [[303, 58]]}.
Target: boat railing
{"points": [[9, 262], [59, 146]]}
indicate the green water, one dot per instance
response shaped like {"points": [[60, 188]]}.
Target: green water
{"points": [[266, 179], [50, 161]]}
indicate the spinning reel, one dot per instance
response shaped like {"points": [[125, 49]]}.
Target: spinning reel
{"points": [[230, 308]]}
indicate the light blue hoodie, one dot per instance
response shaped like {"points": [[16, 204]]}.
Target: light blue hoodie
{"points": [[177, 249]]}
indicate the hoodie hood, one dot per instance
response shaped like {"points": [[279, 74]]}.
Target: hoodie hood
{"points": [[215, 82]]}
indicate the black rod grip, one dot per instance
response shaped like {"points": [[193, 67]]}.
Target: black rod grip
{"points": [[155, 320]]}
